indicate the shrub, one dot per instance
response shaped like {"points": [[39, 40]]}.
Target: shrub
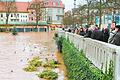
{"points": [[33, 64], [55, 35], [14, 31], [51, 64], [48, 74], [79, 67], [30, 68]]}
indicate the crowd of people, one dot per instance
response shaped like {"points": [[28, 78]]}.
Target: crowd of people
{"points": [[106, 35]]}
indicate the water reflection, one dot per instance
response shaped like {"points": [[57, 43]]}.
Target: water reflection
{"points": [[15, 51]]}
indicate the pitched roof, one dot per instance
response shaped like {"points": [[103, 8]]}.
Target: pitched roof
{"points": [[21, 6]]}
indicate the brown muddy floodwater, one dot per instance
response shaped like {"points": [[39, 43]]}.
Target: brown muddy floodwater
{"points": [[16, 50]]}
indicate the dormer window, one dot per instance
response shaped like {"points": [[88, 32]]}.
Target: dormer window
{"points": [[53, 3], [58, 3]]}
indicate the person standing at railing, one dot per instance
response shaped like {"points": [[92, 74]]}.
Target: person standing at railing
{"points": [[115, 36], [106, 34], [81, 32], [97, 34], [88, 32]]}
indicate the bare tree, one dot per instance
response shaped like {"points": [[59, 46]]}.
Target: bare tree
{"points": [[67, 20], [99, 8], [82, 13], [8, 6], [38, 7], [89, 7]]}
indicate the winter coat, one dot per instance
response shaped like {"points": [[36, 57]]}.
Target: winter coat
{"points": [[112, 34], [116, 39], [97, 34], [88, 34], [106, 35]]}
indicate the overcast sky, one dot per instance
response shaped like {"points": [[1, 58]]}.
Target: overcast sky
{"points": [[69, 4]]}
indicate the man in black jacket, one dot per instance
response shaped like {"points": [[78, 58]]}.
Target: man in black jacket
{"points": [[116, 37]]}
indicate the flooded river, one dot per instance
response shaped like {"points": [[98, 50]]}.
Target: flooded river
{"points": [[15, 51]]}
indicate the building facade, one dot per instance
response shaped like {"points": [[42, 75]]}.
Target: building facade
{"points": [[53, 13], [20, 15]]}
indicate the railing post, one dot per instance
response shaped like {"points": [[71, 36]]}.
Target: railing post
{"points": [[117, 65], [114, 62]]}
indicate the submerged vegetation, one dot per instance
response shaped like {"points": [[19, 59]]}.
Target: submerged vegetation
{"points": [[51, 64], [48, 74], [33, 64]]}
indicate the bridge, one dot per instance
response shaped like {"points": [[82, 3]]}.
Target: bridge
{"points": [[99, 53]]}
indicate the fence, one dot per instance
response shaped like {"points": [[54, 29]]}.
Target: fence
{"points": [[99, 53]]}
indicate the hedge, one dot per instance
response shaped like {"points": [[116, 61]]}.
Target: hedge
{"points": [[79, 67]]}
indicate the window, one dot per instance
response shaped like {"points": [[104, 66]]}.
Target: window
{"points": [[49, 18], [14, 15], [62, 11], [49, 11], [12, 19], [53, 3], [58, 10], [58, 3], [11, 15], [32, 6], [1, 15], [17, 15], [58, 18]]}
